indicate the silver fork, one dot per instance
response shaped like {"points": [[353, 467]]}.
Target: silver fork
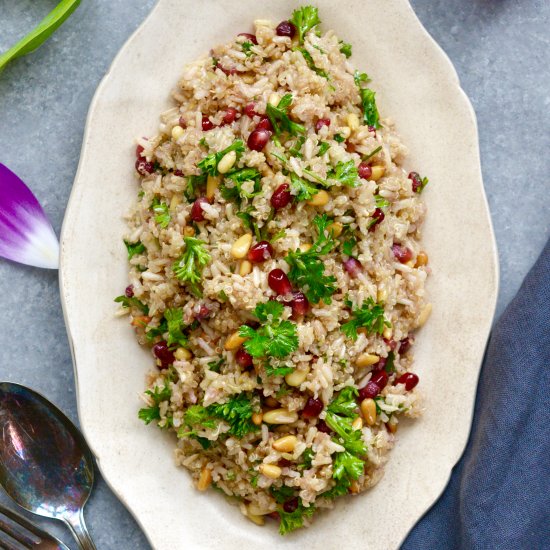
{"points": [[16, 533]]}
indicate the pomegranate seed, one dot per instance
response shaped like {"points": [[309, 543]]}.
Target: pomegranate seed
{"points": [[372, 129], [365, 170], [260, 252], [129, 292], [299, 304], [281, 196], [381, 365], [322, 122], [286, 28], [258, 139], [380, 379], [206, 124], [251, 37], [402, 253], [378, 217], [409, 379], [230, 115], [405, 345], [178, 173], [313, 408], [182, 122], [139, 150], [353, 267], [264, 124], [243, 358], [350, 147], [204, 313], [291, 505], [416, 181], [143, 167], [163, 354], [392, 344], [371, 390], [322, 426], [197, 213], [249, 110], [284, 463], [278, 282]]}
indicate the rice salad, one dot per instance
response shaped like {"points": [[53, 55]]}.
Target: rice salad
{"points": [[276, 273]]}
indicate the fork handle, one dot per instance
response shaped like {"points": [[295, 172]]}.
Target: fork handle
{"points": [[79, 530]]}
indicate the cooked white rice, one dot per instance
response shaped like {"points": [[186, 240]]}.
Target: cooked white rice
{"points": [[200, 370]]}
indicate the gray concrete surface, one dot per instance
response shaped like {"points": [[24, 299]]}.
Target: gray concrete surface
{"points": [[499, 47]]}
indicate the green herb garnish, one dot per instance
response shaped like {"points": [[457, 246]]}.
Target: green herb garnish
{"points": [[369, 315], [162, 212], [158, 395], [134, 249], [345, 48], [279, 118], [209, 164], [174, 325], [189, 266], [304, 19], [132, 302], [238, 178], [346, 173], [368, 100], [303, 190]]}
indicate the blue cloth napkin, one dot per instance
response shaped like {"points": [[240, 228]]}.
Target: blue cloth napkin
{"points": [[498, 497]]}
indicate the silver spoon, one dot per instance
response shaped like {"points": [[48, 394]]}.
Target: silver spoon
{"points": [[45, 464]]}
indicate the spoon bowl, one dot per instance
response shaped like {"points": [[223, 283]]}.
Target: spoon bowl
{"points": [[46, 465]]}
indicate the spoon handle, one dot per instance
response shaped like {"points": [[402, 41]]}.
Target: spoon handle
{"points": [[79, 530]]}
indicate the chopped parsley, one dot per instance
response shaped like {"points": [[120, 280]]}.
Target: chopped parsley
{"points": [[193, 182], [339, 138], [209, 164], [311, 63], [307, 268], [132, 302], [370, 155], [134, 249], [381, 202], [215, 366], [368, 100], [237, 412], [189, 266], [158, 395], [302, 189], [323, 148], [162, 212], [348, 246], [345, 48], [174, 325], [307, 459], [346, 173], [279, 118], [247, 48], [304, 19], [236, 192], [390, 367], [282, 494], [290, 521], [294, 151], [369, 315], [274, 338], [277, 371]]}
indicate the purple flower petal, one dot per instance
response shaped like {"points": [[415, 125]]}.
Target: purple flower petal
{"points": [[26, 235]]}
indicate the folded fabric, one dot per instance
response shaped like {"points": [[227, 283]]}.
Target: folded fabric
{"points": [[498, 497]]}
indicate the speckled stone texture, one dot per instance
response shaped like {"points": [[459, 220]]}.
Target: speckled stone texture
{"points": [[499, 48]]}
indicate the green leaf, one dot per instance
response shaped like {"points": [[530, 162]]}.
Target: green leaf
{"points": [[277, 371], [390, 367], [237, 412], [158, 395], [279, 118], [346, 173], [381, 202], [193, 183], [247, 48], [290, 521], [348, 246], [323, 148], [370, 111], [370, 155], [215, 366], [132, 302], [134, 249], [340, 488], [311, 63], [162, 213], [303, 190], [294, 151], [345, 48], [346, 464], [304, 19], [369, 315], [209, 164], [282, 494], [360, 78], [338, 138], [174, 319], [189, 266], [41, 33], [345, 402], [238, 178]]}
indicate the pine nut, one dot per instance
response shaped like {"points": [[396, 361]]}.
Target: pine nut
{"points": [[345, 132], [285, 444], [177, 132], [353, 121], [258, 520], [280, 416], [271, 402], [235, 341], [255, 510], [319, 199], [336, 229], [245, 268], [357, 424], [174, 202], [182, 353], [241, 245], [305, 247], [188, 231], [366, 360], [392, 425], [227, 162], [296, 377], [388, 333], [257, 419], [381, 295], [421, 259], [270, 470], [424, 315], [377, 172], [212, 183], [205, 479], [274, 99], [368, 409]]}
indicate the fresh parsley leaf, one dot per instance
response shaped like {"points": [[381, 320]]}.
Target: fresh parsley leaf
{"points": [[174, 320], [162, 212], [304, 19], [390, 367], [348, 465], [284, 389], [209, 164], [345, 48], [381, 202], [307, 268], [282, 494], [134, 249], [311, 63], [275, 338], [237, 412], [247, 218], [158, 395], [307, 459], [247, 48], [205, 443], [277, 371], [294, 151], [349, 437], [152, 332], [303, 190], [132, 302], [189, 266], [215, 366], [193, 183], [345, 402], [290, 521], [236, 192], [338, 138], [368, 100], [197, 415], [323, 148], [279, 118], [348, 246], [360, 78], [346, 173], [369, 315], [340, 488], [370, 155]]}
